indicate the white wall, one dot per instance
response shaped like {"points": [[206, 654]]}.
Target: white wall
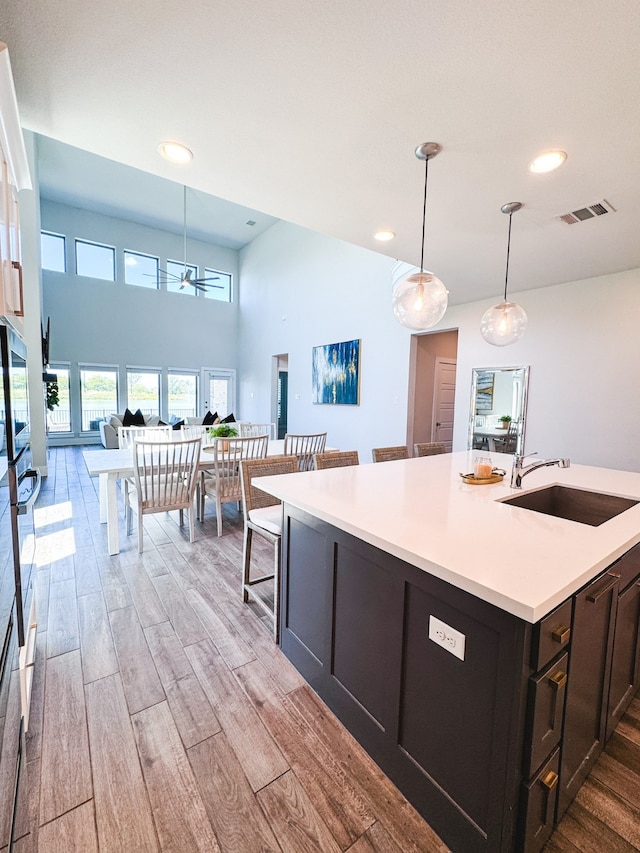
{"points": [[112, 322], [581, 346], [300, 289]]}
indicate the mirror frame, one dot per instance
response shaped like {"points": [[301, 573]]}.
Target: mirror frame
{"points": [[476, 373]]}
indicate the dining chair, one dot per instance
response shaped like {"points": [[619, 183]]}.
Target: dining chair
{"points": [[165, 476], [248, 429], [336, 459], [126, 436], [429, 448], [510, 440], [263, 515], [387, 454], [222, 482], [304, 446]]}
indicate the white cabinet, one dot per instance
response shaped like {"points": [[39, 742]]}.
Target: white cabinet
{"points": [[11, 299], [14, 176]]}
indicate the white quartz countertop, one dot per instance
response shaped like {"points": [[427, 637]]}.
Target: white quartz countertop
{"points": [[421, 511]]}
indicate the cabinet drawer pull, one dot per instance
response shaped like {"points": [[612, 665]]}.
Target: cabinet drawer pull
{"points": [[550, 780], [558, 679], [594, 597], [560, 634]]}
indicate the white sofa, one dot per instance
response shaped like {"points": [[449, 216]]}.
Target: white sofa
{"points": [[109, 428]]}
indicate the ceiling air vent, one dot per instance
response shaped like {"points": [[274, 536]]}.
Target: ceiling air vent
{"points": [[589, 212]]}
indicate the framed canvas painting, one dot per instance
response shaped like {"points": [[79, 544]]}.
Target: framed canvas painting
{"points": [[335, 373], [484, 390]]}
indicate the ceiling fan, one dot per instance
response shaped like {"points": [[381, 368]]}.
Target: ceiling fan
{"points": [[187, 278]]}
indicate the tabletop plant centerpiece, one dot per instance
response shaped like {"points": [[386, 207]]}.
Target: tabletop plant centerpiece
{"points": [[505, 420], [223, 431]]}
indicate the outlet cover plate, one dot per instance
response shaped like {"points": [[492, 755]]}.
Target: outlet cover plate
{"points": [[446, 637]]}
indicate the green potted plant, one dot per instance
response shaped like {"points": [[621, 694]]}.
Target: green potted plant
{"points": [[53, 398], [505, 420], [223, 431]]}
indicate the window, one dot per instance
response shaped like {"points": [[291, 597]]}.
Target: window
{"points": [[52, 252], [95, 261], [182, 394], [59, 418], [143, 391], [98, 395], [219, 387], [221, 289], [140, 269], [175, 272]]}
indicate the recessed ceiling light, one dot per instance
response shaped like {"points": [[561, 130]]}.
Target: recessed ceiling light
{"points": [[384, 235], [548, 161], [175, 151]]}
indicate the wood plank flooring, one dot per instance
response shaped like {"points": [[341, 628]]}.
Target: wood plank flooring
{"points": [[164, 718]]}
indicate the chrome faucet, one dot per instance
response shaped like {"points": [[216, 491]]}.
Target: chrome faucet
{"points": [[519, 470]]}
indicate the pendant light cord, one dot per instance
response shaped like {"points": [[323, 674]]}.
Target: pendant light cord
{"points": [[424, 211], [184, 226], [506, 274]]}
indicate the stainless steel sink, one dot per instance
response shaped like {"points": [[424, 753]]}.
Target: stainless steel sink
{"points": [[592, 508]]}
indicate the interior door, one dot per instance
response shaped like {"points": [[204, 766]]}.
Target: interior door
{"points": [[283, 395], [443, 402]]}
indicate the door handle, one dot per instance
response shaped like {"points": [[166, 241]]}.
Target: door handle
{"points": [[23, 507]]}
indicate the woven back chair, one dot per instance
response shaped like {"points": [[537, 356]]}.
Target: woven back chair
{"points": [[222, 482], [304, 447], [429, 448], [336, 459], [165, 477], [387, 454], [263, 515]]}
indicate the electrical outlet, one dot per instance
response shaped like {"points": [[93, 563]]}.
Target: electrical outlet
{"points": [[446, 637]]}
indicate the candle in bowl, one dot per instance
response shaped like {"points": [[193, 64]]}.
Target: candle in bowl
{"points": [[482, 469]]}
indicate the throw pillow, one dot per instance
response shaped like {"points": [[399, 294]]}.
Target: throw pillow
{"points": [[229, 419], [177, 424], [209, 419], [127, 420], [138, 418]]}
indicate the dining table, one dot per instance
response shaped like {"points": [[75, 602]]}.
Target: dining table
{"points": [[113, 465], [490, 433]]}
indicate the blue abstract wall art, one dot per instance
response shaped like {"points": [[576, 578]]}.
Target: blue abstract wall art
{"points": [[336, 373]]}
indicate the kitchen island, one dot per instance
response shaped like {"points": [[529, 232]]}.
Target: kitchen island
{"points": [[458, 638]]}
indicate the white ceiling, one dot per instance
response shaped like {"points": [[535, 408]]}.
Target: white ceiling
{"points": [[311, 111]]}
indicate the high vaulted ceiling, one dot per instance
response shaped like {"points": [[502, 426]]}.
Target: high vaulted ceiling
{"points": [[311, 111]]}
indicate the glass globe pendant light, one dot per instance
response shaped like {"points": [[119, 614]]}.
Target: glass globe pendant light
{"points": [[420, 299], [505, 323]]}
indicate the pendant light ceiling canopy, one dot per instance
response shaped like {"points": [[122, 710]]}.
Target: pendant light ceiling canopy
{"points": [[420, 300], [505, 323]]}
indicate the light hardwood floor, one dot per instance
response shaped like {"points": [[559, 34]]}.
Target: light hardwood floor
{"points": [[165, 719]]}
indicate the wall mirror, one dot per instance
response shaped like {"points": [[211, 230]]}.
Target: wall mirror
{"points": [[498, 411]]}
